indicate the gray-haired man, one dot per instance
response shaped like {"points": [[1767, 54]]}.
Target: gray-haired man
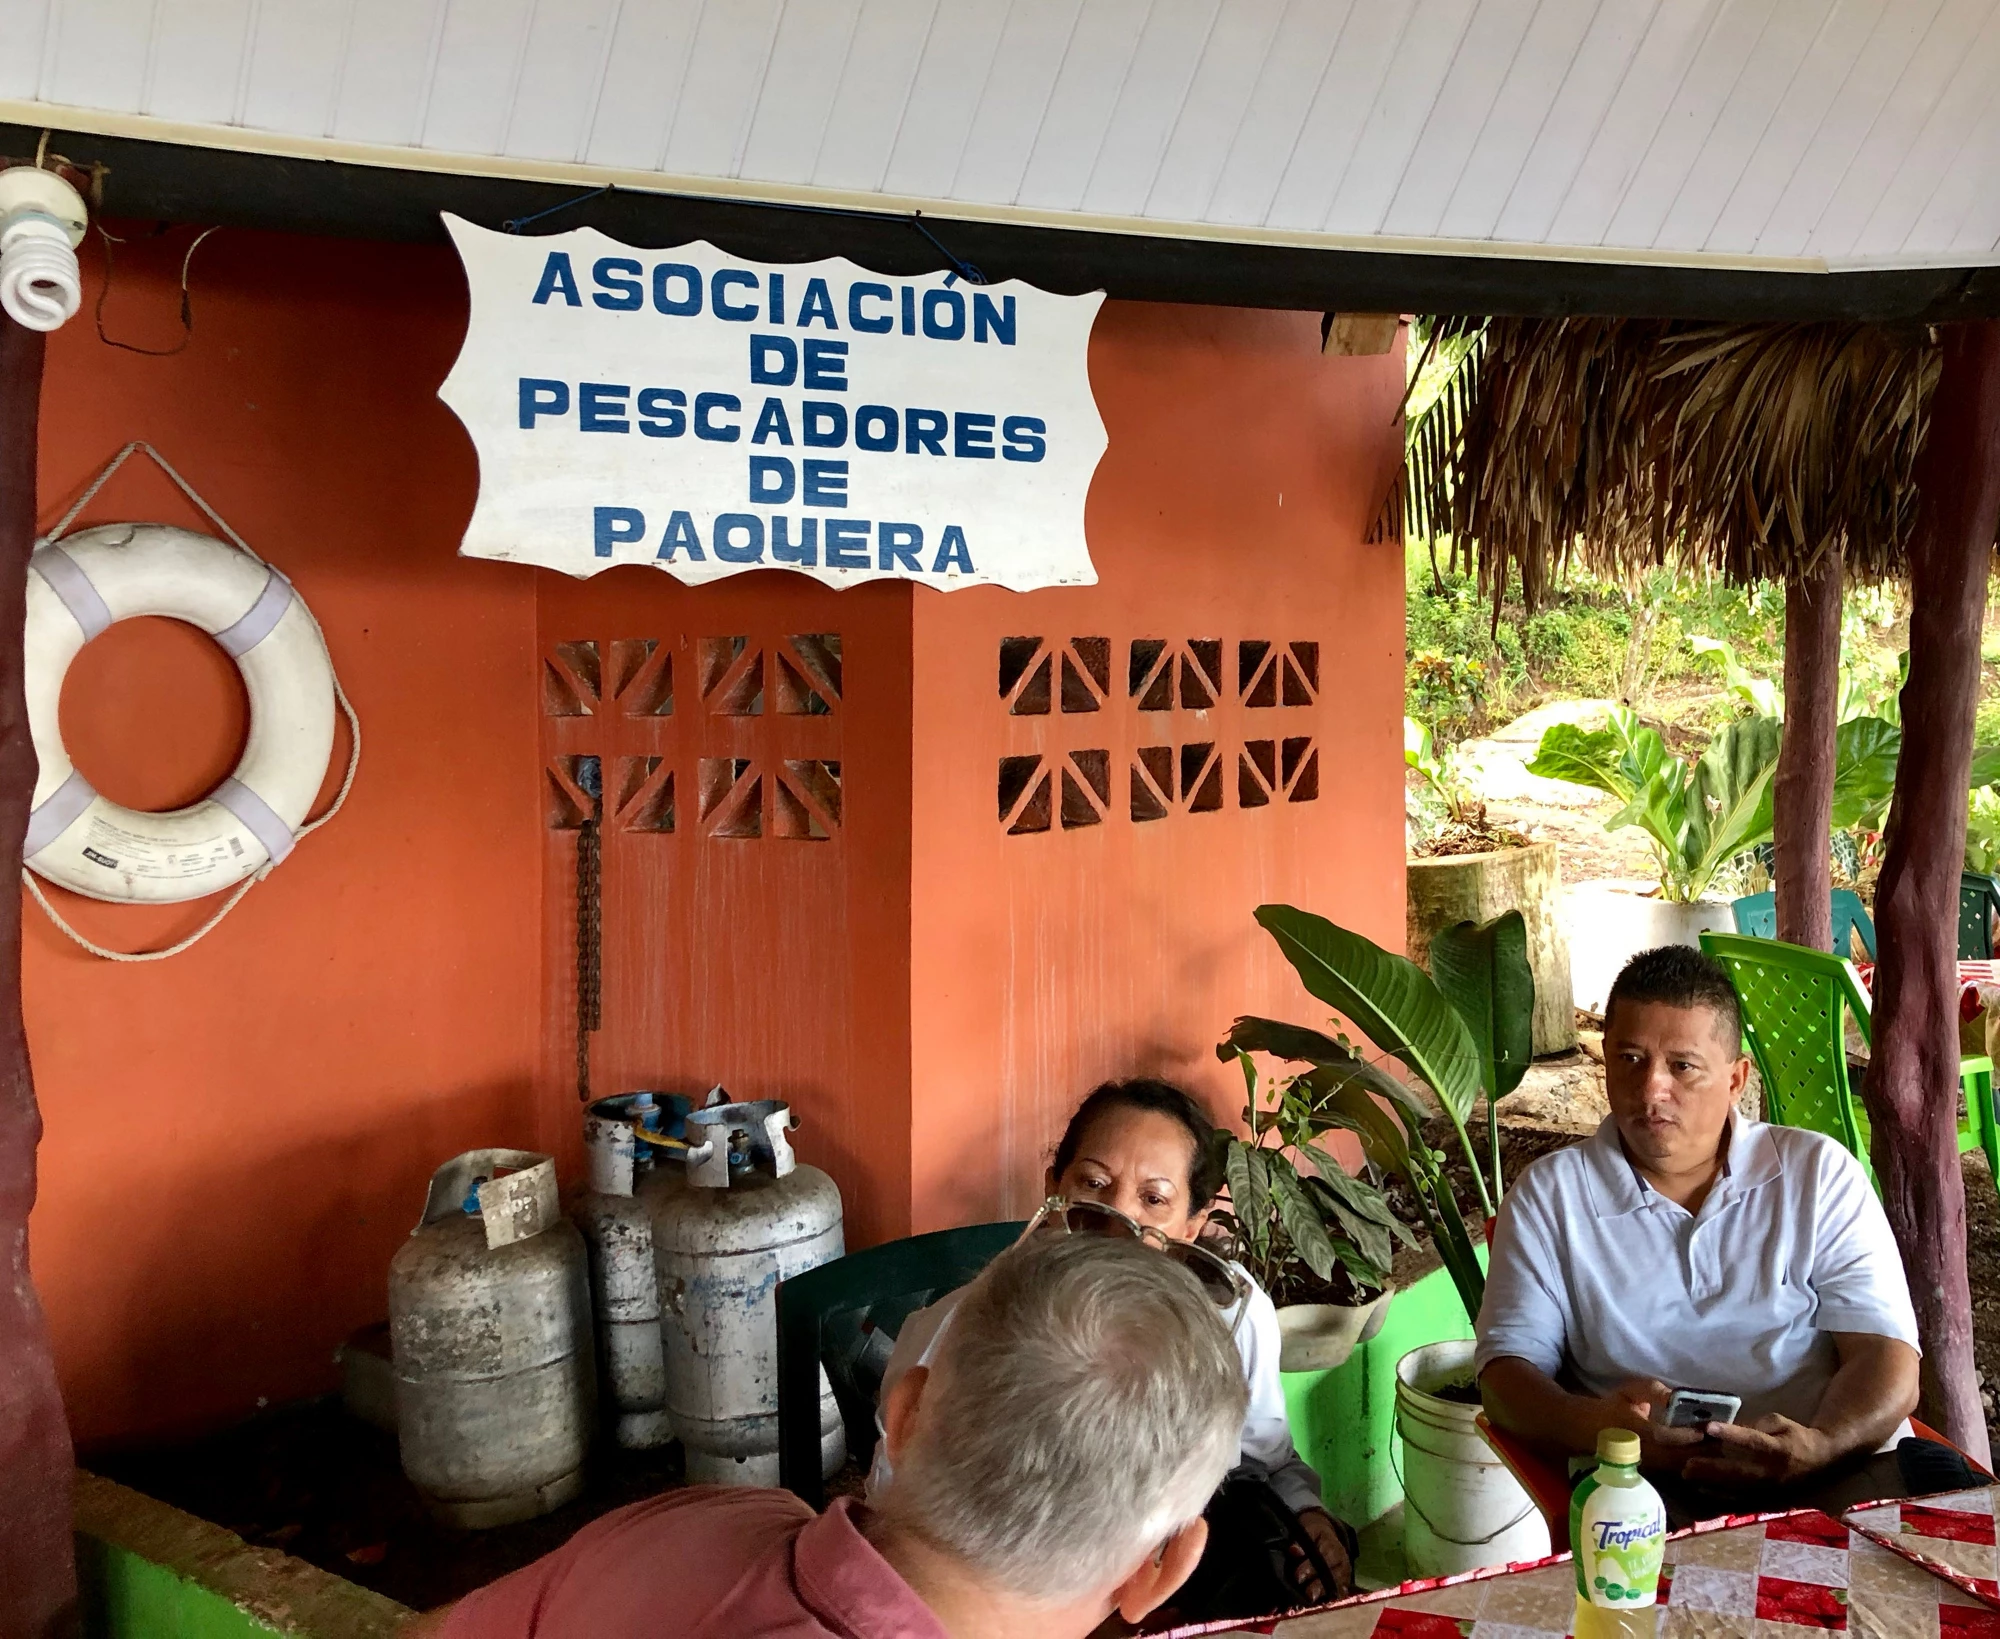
{"points": [[1052, 1464]]}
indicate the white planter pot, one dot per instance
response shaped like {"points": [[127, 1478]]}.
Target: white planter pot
{"points": [[1608, 923], [1320, 1336], [1461, 1507]]}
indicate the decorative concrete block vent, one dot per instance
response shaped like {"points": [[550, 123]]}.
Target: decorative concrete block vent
{"points": [[1194, 736], [760, 747], [147, 1569]]}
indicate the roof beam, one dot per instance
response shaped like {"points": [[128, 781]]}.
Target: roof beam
{"points": [[149, 179]]}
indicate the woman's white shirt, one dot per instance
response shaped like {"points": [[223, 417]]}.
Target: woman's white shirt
{"points": [[1266, 1447]]}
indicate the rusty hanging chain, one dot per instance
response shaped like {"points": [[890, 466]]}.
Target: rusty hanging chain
{"points": [[589, 950]]}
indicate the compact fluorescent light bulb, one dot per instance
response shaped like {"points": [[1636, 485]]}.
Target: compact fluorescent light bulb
{"points": [[42, 220]]}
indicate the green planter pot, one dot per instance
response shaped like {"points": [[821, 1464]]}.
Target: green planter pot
{"points": [[1344, 1418]]}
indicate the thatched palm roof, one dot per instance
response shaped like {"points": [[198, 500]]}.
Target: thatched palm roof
{"points": [[1745, 448]]}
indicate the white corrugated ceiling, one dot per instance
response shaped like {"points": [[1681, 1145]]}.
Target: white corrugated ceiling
{"points": [[1840, 133]]}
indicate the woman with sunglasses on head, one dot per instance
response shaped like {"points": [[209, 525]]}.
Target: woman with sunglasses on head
{"points": [[1137, 1159]]}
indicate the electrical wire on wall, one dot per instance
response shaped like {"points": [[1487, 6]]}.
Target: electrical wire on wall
{"points": [[187, 301]]}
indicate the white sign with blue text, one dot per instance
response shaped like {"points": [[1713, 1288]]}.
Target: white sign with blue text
{"points": [[707, 415]]}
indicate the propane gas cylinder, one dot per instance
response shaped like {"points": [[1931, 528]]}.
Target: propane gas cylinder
{"points": [[750, 1217], [489, 1324], [630, 1146]]}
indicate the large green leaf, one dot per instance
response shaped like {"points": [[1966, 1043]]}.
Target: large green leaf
{"points": [[1455, 1246], [1631, 762], [1343, 1101], [1248, 1171], [1402, 1151], [1368, 1238], [1985, 767], [1760, 694], [1389, 999], [1982, 831], [1417, 744], [1644, 755], [1250, 1034], [1864, 769], [1303, 1225], [1659, 807], [1655, 787], [1484, 973], [1358, 1206], [1592, 758], [1729, 799]]}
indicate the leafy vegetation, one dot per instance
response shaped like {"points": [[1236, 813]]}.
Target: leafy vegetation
{"points": [[1449, 816], [1698, 815], [1464, 674], [1982, 831], [1463, 1034], [1444, 775], [1293, 1208], [1691, 828]]}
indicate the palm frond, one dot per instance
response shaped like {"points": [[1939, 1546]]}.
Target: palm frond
{"points": [[1748, 449]]}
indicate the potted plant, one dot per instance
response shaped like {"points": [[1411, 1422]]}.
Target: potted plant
{"points": [[1698, 816], [1318, 1239], [1464, 869], [1463, 1030]]}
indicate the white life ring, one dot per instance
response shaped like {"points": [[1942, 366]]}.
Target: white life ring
{"points": [[100, 848]]}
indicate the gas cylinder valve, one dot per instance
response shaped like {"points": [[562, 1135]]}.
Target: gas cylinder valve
{"points": [[42, 219]]}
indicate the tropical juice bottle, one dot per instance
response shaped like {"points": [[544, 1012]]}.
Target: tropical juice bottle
{"points": [[1617, 1529]]}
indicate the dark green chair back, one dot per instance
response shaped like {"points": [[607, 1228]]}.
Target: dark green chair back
{"points": [[1978, 898], [1757, 915], [845, 1315]]}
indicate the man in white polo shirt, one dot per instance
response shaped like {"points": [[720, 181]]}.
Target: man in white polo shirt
{"points": [[1682, 1246]]}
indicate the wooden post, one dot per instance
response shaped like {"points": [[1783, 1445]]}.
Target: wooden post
{"points": [[37, 1571], [1912, 1086], [1803, 790]]}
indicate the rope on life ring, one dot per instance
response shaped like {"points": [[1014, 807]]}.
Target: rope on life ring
{"points": [[240, 831]]}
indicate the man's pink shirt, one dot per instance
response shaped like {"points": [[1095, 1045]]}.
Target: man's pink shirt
{"points": [[705, 1562]]}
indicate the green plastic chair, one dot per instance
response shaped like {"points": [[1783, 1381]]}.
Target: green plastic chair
{"points": [[1795, 1006], [1978, 899], [1757, 914], [845, 1315]]}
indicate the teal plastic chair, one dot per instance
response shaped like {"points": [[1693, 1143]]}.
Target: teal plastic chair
{"points": [[1795, 1006], [1757, 915], [1978, 899], [845, 1315]]}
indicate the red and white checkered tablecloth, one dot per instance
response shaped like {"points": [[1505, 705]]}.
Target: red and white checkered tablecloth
{"points": [[1978, 986], [1758, 1578], [1952, 1536]]}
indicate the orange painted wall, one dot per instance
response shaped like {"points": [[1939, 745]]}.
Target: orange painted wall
{"points": [[238, 1138], [1242, 472], [774, 964]]}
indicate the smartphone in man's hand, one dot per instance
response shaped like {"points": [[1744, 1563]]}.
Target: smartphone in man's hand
{"points": [[1697, 1408]]}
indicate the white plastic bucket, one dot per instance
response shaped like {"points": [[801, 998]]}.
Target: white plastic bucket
{"points": [[1608, 923], [1461, 1507]]}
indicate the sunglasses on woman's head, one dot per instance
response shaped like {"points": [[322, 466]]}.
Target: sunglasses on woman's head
{"points": [[1217, 1278]]}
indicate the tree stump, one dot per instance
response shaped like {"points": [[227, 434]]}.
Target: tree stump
{"points": [[1477, 888]]}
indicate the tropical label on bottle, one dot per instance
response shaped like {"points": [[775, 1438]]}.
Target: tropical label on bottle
{"points": [[1618, 1533]]}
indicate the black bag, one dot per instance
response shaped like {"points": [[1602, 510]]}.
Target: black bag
{"points": [[1246, 1570]]}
